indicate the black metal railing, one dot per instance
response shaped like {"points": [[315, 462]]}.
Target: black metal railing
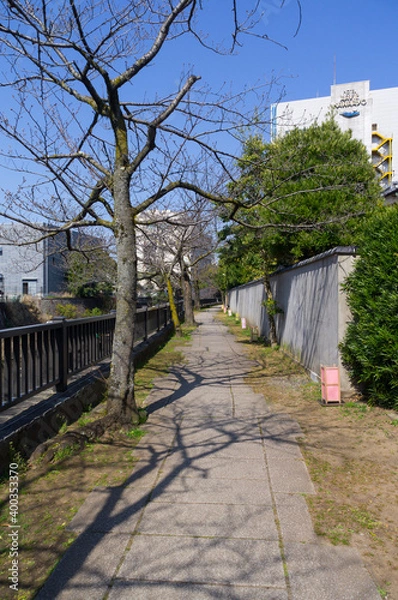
{"points": [[37, 357]]}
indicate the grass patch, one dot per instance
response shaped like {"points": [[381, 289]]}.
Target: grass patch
{"points": [[86, 418], [63, 453], [383, 590], [63, 427], [159, 365], [355, 410], [136, 433], [338, 522]]}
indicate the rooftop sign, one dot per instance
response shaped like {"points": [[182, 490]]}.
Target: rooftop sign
{"points": [[349, 99]]}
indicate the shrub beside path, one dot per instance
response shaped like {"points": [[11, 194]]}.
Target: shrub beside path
{"points": [[214, 508]]}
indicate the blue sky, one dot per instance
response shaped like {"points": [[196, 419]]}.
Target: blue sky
{"points": [[358, 36]]}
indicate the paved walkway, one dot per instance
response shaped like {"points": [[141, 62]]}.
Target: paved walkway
{"points": [[215, 507]]}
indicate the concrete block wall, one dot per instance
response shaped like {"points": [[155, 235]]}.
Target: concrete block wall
{"points": [[246, 300], [315, 312]]}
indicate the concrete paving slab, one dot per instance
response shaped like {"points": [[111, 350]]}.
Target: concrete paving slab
{"points": [[206, 414], [226, 425], [285, 418], [276, 448], [156, 443], [145, 474], [285, 428], [115, 509], [212, 491], [160, 420], [213, 426], [158, 437], [294, 518], [290, 476], [162, 393], [209, 394], [150, 590], [217, 437], [244, 394], [172, 411], [160, 397], [249, 412], [229, 425], [86, 569], [209, 390], [327, 573], [214, 467], [242, 398], [154, 455], [253, 450], [209, 433], [221, 520], [200, 560]]}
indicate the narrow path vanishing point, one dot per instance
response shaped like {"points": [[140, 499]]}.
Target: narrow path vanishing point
{"points": [[214, 508]]}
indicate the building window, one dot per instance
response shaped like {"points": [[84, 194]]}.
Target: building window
{"points": [[374, 126], [29, 287]]}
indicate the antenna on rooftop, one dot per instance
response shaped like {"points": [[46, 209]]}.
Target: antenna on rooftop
{"points": [[334, 70]]}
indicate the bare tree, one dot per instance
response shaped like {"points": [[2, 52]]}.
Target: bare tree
{"points": [[159, 250], [172, 244], [93, 149]]}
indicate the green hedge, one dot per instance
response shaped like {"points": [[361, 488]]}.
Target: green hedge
{"points": [[370, 347]]}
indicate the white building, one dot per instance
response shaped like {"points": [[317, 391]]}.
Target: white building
{"points": [[371, 115]]}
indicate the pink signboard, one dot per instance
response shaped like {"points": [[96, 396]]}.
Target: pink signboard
{"points": [[330, 383]]}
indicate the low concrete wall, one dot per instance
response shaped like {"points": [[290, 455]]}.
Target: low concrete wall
{"points": [[315, 312], [247, 300], [44, 419]]}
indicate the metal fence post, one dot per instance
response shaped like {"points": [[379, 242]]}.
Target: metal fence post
{"points": [[62, 343], [146, 324]]}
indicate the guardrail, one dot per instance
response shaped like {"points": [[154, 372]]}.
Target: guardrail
{"points": [[37, 357]]}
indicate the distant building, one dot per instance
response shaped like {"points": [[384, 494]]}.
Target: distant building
{"points": [[164, 239], [371, 115], [390, 194], [34, 269]]}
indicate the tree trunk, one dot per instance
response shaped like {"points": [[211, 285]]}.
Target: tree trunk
{"points": [[121, 401], [196, 290], [187, 294], [270, 307], [173, 308]]}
